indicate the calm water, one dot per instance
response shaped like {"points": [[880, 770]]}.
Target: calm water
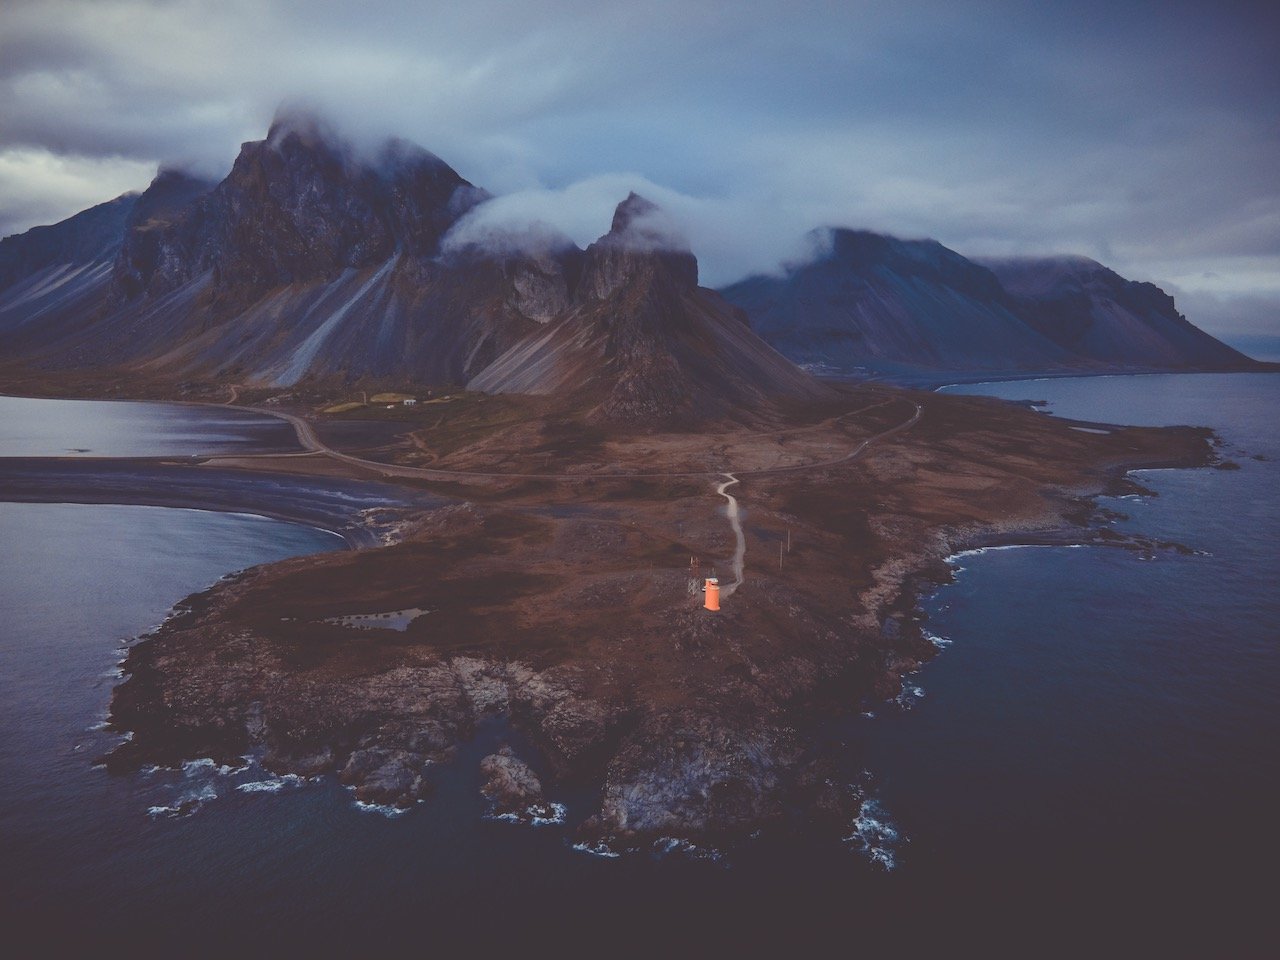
{"points": [[1092, 755], [1106, 725], [34, 427]]}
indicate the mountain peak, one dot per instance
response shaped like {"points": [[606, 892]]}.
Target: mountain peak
{"points": [[643, 343], [300, 206], [172, 187], [399, 157], [643, 246], [303, 126], [629, 210], [640, 224]]}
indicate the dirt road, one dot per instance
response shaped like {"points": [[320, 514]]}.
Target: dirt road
{"points": [[308, 438], [740, 548], [311, 442]]}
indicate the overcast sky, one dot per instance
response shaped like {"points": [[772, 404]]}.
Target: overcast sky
{"points": [[1145, 135]]}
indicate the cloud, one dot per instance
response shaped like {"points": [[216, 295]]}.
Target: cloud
{"points": [[1144, 134], [731, 235], [502, 236]]}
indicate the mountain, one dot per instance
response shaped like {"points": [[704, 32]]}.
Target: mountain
{"points": [[876, 305], [301, 206], [315, 260], [65, 265], [145, 248], [642, 343], [90, 237], [311, 259], [1095, 313]]}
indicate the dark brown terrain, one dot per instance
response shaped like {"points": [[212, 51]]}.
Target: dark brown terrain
{"points": [[567, 606]]}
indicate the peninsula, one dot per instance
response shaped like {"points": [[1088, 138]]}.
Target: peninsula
{"points": [[561, 445]]}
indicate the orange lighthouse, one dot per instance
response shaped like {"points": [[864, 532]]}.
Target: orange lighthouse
{"points": [[712, 589]]}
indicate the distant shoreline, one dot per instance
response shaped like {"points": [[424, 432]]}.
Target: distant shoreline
{"points": [[934, 381], [1031, 378]]}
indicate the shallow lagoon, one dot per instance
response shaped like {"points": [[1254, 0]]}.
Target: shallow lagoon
{"points": [[35, 427]]}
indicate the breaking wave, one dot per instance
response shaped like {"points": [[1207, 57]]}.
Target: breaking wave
{"points": [[875, 835], [911, 695], [185, 805], [382, 809], [192, 768], [538, 815], [677, 846], [273, 785], [598, 848]]}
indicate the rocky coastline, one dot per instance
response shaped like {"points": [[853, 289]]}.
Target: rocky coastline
{"points": [[572, 616]]}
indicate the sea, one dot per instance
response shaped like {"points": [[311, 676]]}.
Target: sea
{"points": [[1089, 765], [35, 427]]}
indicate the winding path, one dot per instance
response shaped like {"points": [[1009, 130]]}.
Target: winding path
{"points": [[308, 438], [735, 521], [312, 443]]}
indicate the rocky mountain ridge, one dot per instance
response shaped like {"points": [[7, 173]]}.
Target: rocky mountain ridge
{"points": [[315, 260], [310, 260], [874, 305], [643, 342]]}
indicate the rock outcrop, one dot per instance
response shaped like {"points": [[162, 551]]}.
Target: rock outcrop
{"points": [[515, 790], [692, 775], [152, 253]]}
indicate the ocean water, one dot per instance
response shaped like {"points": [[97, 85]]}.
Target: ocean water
{"points": [[1104, 725], [36, 427], [1090, 764]]}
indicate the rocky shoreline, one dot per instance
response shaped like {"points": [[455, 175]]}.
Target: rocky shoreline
{"points": [[572, 616]]}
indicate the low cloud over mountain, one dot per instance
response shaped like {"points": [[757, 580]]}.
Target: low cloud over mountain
{"points": [[1143, 136]]}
